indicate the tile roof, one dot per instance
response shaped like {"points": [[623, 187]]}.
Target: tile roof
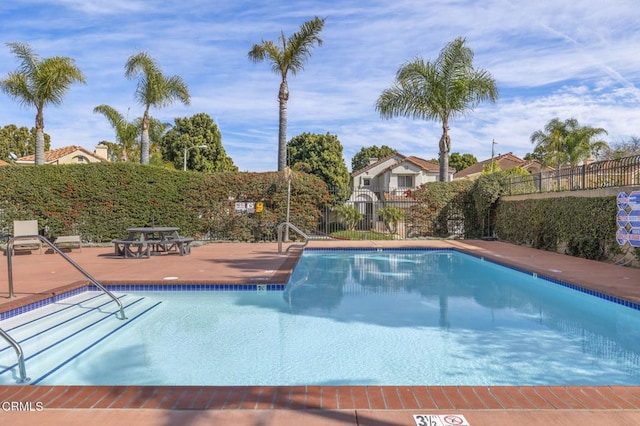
{"points": [[55, 154], [505, 162], [382, 160]]}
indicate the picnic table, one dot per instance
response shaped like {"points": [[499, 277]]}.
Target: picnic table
{"points": [[142, 242]]}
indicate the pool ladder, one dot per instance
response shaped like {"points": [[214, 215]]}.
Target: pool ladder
{"points": [[297, 230], [9, 252]]}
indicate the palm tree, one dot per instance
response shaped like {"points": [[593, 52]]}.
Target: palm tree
{"points": [[40, 82], [550, 143], [582, 143], [126, 132], [439, 91], [288, 55], [567, 142], [154, 90]]}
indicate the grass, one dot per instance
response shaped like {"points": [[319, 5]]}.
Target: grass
{"points": [[361, 235]]}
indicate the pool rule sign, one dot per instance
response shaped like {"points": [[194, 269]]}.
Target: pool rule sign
{"points": [[628, 219]]}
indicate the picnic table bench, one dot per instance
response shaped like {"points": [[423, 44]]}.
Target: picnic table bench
{"points": [[143, 242]]}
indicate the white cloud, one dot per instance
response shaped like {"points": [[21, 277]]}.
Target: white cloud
{"points": [[560, 58]]}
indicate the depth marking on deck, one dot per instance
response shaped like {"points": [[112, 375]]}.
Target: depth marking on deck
{"points": [[440, 420]]}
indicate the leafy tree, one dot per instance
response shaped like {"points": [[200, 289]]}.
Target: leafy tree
{"points": [[321, 155], [38, 83], [361, 159], [189, 132], [567, 142], [461, 162], [623, 148], [391, 216], [349, 215], [535, 155], [439, 91], [288, 55], [154, 90], [20, 141], [126, 133]]}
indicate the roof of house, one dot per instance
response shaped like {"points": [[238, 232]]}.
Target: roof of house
{"points": [[430, 166], [505, 162], [56, 154], [376, 163]]}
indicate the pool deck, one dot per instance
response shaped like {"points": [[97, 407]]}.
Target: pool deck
{"points": [[37, 276]]}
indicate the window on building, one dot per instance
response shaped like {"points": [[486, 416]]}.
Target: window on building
{"points": [[366, 182], [405, 181]]}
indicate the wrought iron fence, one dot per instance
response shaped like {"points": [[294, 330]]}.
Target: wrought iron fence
{"points": [[600, 174], [390, 213]]}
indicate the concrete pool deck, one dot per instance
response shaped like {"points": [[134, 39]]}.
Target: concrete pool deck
{"points": [[36, 276]]}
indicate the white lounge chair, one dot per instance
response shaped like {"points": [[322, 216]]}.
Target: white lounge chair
{"points": [[69, 242], [22, 230]]}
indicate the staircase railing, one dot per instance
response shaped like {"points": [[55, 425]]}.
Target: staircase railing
{"points": [[19, 353], [294, 228], [64, 256]]}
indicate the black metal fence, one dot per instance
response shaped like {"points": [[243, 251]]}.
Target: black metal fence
{"points": [[600, 174], [390, 213]]}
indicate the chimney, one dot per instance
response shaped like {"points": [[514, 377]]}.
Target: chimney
{"points": [[102, 151], [372, 160]]}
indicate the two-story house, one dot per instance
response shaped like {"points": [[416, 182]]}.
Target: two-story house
{"points": [[386, 182]]}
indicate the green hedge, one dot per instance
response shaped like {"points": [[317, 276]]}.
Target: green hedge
{"points": [[98, 201], [579, 226]]}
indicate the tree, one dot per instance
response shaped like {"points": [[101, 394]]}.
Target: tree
{"points": [[461, 162], [38, 83], [439, 91], [19, 141], [321, 155], [361, 159], [154, 90], [566, 142], [190, 132], [126, 132], [621, 149], [349, 215], [288, 55]]}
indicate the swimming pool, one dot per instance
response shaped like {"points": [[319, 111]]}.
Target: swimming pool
{"points": [[409, 317]]}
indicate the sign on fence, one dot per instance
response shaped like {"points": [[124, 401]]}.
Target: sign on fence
{"points": [[628, 219]]}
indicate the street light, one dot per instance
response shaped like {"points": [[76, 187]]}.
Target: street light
{"points": [[184, 162]]}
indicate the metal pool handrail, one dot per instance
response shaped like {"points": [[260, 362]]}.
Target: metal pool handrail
{"points": [[295, 228], [64, 256], [18, 348]]}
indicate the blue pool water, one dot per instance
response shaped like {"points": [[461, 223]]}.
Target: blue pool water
{"points": [[363, 318]]}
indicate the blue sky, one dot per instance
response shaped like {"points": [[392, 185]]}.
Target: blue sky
{"points": [[550, 58]]}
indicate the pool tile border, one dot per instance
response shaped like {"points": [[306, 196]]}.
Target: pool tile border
{"points": [[83, 288]]}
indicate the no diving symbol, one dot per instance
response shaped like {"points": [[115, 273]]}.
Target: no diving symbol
{"points": [[453, 420]]}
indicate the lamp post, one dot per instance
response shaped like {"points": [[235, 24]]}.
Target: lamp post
{"points": [[184, 162]]}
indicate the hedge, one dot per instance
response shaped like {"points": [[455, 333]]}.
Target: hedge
{"points": [[98, 201]]}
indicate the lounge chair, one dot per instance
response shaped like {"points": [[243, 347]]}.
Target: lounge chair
{"points": [[22, 229], [68, 242]]}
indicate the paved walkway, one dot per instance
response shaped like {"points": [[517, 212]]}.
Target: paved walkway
{"points": [[37, 276]]}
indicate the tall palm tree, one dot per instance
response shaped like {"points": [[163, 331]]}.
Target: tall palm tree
{"points": [[126, 132], [154, 90], [288, 55], [439, 91], [40, 82]]}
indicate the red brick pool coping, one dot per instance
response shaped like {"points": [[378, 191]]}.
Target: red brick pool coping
{"points": [[328, 397], [376, 404]]}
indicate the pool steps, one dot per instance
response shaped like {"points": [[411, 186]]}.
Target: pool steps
{"points": [[53, 336]]}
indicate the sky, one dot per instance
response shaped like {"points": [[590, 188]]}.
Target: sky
{"points": [[550, 59]]}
